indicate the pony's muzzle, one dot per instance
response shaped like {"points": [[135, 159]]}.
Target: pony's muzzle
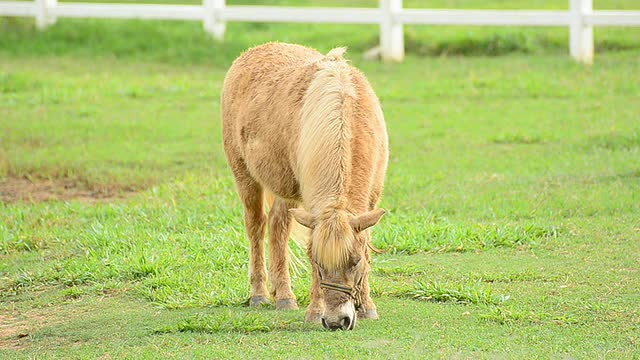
{"points": [[343, 319], [345, 323]]}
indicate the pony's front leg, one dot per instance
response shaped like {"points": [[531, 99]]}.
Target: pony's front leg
{"points": [[316, 305], [280, 222], [368, 309]]}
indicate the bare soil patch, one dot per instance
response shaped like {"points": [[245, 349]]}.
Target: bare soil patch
{"points": [[11, 331], [15, 189], [16, 328]]}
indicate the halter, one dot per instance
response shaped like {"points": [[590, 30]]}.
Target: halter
{"points": [[341, 288], [354, 293]]}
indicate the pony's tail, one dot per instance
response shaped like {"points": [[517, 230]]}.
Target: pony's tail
{"points": [[299, 235]]}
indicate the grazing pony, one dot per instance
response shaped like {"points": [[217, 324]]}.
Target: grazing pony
{"points": [[308, 129]]}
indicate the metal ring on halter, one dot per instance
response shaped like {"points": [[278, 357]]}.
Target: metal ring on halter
{"points": [[344, 289]]}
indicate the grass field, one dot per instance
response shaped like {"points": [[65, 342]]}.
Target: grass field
{"points": [[513, 196]]}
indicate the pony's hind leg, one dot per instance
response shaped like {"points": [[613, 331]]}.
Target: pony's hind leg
{"points": [[251, 194], [280, 221]]}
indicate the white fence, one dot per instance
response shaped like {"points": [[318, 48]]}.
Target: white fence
{"points": [[390, 16]]}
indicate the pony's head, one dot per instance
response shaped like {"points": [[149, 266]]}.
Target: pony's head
{"points": [[338, 249]]}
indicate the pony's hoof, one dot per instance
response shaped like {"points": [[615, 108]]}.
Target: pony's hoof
{"points": [[368, 314], [313, 318], [259, 300], [286, 304]]}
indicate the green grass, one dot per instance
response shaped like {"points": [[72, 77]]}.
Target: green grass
{"points": [[513, 196], [186, 42], [457, 294]]}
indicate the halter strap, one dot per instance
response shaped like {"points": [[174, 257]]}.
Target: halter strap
{"points": [[344, 289]]}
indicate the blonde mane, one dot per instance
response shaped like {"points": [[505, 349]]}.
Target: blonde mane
{"points": [[324, 157], [333, 240]]}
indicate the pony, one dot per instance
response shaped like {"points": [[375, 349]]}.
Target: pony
{"points": [[307, 131]]}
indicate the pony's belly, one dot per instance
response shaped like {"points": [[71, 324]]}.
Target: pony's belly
{"points": [[280, 182], [285, 191], [272, 172]]}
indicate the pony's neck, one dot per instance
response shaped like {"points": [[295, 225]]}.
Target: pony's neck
{"points": [[324, 152]]}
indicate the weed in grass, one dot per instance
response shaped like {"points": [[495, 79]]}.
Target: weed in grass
{"points": [[233, 321], [616, 141], [454, 293], [72, 292], [502, 315], [109, 287], [510, 276], [401, 234], [508, 315], [14, 83], [11, 242], [245, 323], [517, 138], [407, 270]]}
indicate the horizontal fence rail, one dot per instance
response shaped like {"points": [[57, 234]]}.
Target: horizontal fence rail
{"points": [[613, 18], [390, 16], [17, 8], [301, 15], [129, 11], [485, 17]]}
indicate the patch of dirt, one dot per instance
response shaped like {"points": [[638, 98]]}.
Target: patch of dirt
{"points": [[12, 331], [15, 189], [15, 329]]}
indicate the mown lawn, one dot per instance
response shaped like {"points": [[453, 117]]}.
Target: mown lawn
{"points": [[513, 197]]}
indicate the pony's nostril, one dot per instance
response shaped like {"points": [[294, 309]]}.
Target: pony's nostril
{"points": [[346, 321], [343, 323]]}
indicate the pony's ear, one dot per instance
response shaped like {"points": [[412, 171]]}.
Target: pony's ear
{"points": [[366, 220], [303, 217]]}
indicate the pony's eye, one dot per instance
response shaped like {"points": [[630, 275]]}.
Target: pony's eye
{"points": [[357, 261]]}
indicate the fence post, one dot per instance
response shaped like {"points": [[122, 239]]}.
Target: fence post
{"points": [[391, 32], [580, 34], [213, 23], [43, 13]]}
